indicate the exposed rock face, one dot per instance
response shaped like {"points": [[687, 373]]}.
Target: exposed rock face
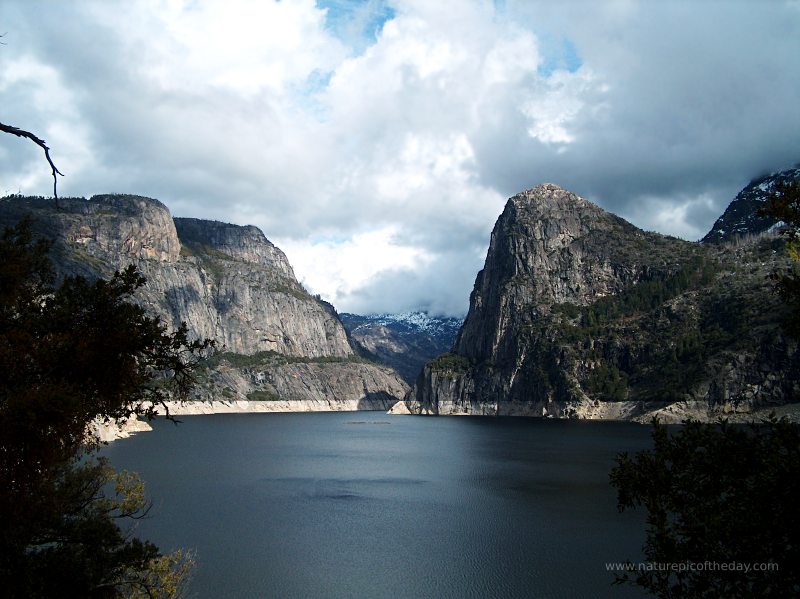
{"points": [[227, 282], [108, 231], [188, 408], [549, 246], [271, 378], [578, 313], [253, 299], [405, 342], [741, 216], [244, 244], [105, 432]]}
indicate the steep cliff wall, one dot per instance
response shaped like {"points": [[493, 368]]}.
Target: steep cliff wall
{"points": [[226, 282], [578, 313], [551, 246]]}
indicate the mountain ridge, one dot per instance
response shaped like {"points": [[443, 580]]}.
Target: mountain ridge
{"points": [[741, 216], [227, 282]]}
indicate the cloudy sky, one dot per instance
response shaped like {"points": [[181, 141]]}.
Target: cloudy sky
{"points": [[376, 141]]}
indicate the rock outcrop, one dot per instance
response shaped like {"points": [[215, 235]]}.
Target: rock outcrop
{"points": [[577, 313], [226, 282]]}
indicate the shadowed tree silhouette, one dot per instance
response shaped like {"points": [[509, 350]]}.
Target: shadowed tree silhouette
{"points": [[721, 505], [70, 353]]}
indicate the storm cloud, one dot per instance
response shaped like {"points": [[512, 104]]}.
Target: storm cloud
{"points": [[376, 142]]}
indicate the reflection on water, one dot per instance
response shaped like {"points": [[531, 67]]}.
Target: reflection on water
{"points": [[342, 505]]}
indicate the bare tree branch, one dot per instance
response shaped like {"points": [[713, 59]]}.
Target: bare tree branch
{"points": [[39, 142]]}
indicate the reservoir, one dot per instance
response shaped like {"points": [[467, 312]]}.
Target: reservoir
{"points": [[361, 504]]}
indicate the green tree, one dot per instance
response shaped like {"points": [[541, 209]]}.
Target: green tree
{"points": [[722, 513], [70, 353], [608, 383], [784, 205]]}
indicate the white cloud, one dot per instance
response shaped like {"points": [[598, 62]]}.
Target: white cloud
{"points": [[336, 268], [243, 46], [551, 114], [511, 60], [40, 89], [673, 216]]}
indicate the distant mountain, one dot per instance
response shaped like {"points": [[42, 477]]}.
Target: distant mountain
{"points": [[403, 341], [741, 217]]}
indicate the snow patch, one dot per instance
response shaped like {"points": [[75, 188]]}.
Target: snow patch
{"points": [[420, 321], [776, 227]]}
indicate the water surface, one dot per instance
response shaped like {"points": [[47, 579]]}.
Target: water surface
{"points": [[368, 505]]}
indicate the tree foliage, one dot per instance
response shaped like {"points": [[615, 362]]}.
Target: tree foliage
{"points": [[70, 353], [721, 505], [449, 363], [646, 295], [607, 382], [784, 205], [626, 365]]}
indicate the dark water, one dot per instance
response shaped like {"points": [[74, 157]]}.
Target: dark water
{"points": [[369, 505]]}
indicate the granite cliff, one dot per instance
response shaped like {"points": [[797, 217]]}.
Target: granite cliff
{"points": [[226, 282], [577, 313]]}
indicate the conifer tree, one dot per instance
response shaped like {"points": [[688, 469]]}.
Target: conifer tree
{"points": [[70, 353]]}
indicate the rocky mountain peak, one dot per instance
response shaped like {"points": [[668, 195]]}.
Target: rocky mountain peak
{"points": [[551, 246], [404, 341], [741, 216], [129, 204], [227, 282], [549, 196]]}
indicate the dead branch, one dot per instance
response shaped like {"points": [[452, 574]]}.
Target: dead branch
{"points": [[39, 142]]}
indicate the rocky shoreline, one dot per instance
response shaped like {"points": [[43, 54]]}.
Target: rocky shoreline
{"points": [[622, 411], [612, 411]]}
